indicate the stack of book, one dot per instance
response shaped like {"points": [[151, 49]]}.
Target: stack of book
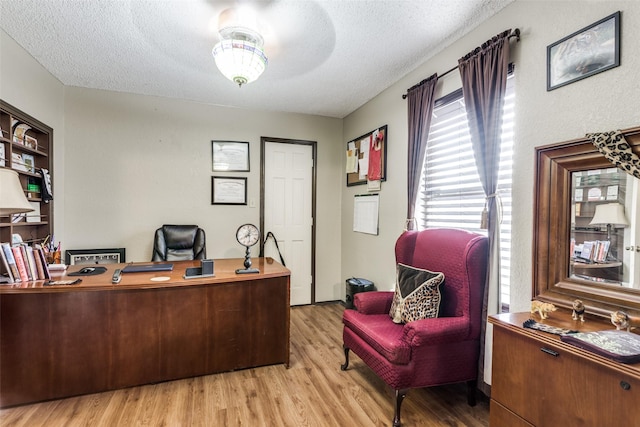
{"points": [[595, 251], [23, 263]]}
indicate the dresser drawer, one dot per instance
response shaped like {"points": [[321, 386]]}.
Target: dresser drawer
{"points": [[546, 384], [499, 416]]}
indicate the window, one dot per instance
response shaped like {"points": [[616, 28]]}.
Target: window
{"points": [[450, 191]]}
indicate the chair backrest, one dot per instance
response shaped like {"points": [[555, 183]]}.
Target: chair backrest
{"points": [[463, 258], [179, 242]]}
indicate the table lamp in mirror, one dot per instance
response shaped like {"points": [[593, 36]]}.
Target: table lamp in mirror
{"points": [[612, 216]]}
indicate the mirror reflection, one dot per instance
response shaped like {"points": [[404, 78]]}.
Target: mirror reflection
{"points": [[604, 215]]}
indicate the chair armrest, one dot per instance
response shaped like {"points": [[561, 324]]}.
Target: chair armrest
{"points": [[436, 331], [376, 302]]}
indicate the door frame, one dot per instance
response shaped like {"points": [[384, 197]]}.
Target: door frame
{"points": [[313, 144]]}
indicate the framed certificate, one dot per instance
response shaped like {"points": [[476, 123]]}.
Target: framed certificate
{"points": [[228, 191], [230, 156]]}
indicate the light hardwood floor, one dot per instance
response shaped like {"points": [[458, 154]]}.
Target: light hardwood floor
{"points": [[312, 392]]}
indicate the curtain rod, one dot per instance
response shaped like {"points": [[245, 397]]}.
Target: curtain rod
{"points": [[516, 34]]}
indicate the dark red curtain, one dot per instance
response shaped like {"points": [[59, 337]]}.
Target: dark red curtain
{"points": [[484, 83], [420, 109]]}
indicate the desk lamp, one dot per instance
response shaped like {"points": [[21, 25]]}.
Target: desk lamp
{"points": [[12, 199]]}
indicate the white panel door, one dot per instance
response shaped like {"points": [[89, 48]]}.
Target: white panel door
{"points": [[287, 212]]}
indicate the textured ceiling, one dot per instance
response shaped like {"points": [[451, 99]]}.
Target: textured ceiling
{"points": [[326, 57]]}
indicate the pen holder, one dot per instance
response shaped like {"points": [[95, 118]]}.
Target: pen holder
{"points": [[53, 257]]}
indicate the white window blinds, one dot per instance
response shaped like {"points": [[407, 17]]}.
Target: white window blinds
{"points": [[451, 194]]}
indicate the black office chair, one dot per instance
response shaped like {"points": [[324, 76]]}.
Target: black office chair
{"points": [[178, 243]]}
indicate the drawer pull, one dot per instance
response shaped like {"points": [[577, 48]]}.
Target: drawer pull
{"points": [[625, 385], [551, 352]]}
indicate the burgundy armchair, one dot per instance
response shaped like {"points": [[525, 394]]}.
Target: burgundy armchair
{"points": [[433, 351]]}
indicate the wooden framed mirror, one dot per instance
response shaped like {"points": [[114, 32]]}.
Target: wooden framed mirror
{"points": [[554, 278]]}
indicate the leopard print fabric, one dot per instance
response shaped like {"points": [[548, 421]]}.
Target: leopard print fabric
{"points": [[616, 149], [417, 294]]}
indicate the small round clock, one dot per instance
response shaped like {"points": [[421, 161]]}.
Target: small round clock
{"points": [[247, 235]]}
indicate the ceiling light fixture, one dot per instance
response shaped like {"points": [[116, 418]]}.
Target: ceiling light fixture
{"points": [[239, 54]]}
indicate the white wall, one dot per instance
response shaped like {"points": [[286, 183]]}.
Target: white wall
{"points": [[603, 102], [137, 162], [126, 164]]}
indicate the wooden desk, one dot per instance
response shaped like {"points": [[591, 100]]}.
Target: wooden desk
{"points": [[59, 341]]}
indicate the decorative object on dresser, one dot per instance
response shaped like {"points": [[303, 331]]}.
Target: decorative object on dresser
{"points": [[542, 308], [532, 324], [578, 310], [620, 320]]}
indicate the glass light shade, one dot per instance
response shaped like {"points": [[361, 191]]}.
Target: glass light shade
{"points": [[241, 61], [609, 213], [12, 198]]}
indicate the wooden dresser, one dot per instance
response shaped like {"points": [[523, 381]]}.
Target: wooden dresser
{"points": [[541, 381]]}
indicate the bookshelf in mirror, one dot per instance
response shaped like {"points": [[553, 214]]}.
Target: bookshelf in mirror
{"points": [[26, 146], [597, 227]]}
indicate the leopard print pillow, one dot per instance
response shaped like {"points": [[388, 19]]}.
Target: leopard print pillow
{"points": [[417, 294]]}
